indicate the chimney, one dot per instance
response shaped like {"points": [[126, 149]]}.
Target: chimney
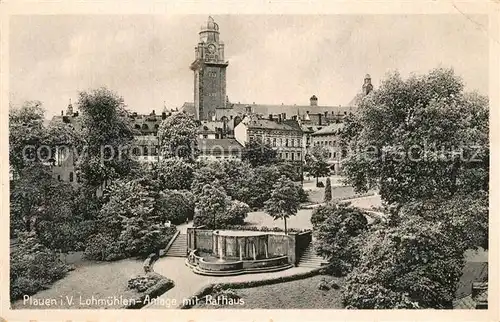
{"points": [[313, 100], [279, 118], [283, 115], [320, 118], [270, 117]]}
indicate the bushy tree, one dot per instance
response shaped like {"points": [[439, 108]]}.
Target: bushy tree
{"points": [[419, 138], [316, 163], [33, 267], [328, 190], [177, 134], [107, 134], [175, 174], [216, 210], [258, 153], [337, 231], [129, 223], [284, 200], [176, 206], [26, 135], [412, 265], [36, 196]]}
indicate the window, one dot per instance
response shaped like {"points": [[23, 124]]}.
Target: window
{"points": [[136, 151], [334, 154], [298, 155], [286, 144], [145, 127], [286, 155], [137, 126], [205, 136], [71, 177], [293, 155], [146, 150], [274, 141], [59, 177]]}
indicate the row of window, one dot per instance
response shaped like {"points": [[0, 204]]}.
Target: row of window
{"points": [[281, 142], [290, 156], [326, 143]]}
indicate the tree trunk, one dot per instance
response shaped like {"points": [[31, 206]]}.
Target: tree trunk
{"points": [[317, 181], [286, 232]]}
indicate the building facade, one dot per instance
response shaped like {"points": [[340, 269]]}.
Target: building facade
{"points": [[328, 138], [285, 138]]}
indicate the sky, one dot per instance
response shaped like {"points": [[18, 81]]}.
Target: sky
{"points": [[273, 59]]}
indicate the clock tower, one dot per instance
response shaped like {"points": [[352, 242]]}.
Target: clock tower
{"points": [[209, 70]]}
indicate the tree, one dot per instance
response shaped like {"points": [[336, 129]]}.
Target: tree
{"points": [[175, 174], [26, 135], [258, 153], [177, 134], [256, 188], [107, 134], [284, 200], [316, 163], [328, 190], [33, 267], [212, 204], [129, 223], [412, 265], [175, 205], [337, 230], [36, 196], [418, 138]]}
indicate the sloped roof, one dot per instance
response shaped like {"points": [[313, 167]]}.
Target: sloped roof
{"points": [[216, 145], [329, 129], [238, 109], [270, 125]]}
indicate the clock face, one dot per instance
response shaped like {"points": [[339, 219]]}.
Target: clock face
{"points": [[211, 48]]}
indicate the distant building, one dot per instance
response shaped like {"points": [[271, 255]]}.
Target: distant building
{"points": [[282, 136], [212, 104], [328, 138], [219, 149]]}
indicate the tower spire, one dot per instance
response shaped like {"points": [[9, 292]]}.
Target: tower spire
{"points": [[69, 109]]}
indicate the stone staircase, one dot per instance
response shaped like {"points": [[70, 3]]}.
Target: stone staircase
{"points": [[178, 247], [310, 259]]}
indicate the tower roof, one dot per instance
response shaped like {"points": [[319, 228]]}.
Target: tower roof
{"points": [[211, 25]]}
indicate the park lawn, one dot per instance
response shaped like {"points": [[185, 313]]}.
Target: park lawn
{"points": [[99, 280], [300, 294]]}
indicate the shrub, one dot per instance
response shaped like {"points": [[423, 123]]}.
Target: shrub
{"points": [[328, 190], [320, 184], [142, 282], [33, 267], [337, 227], [66, 236], [104, 248], [175, 205]]}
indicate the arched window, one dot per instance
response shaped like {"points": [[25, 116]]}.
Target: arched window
{"points": [[59, 177], [137, 126], [136, 151], [146, 151], [71, 177]]}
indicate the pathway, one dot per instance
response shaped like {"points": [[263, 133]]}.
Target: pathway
{"points": [[187, 283]]}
